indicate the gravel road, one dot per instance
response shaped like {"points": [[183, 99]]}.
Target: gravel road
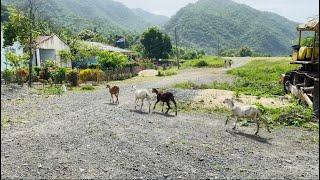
{"points": [[82, 135]]}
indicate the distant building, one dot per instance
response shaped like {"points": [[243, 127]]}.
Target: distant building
{"points": [[48, 47], [101, 46], [15, 48]]}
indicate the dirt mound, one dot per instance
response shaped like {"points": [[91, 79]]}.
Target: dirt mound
{"points": [[148, 72]]}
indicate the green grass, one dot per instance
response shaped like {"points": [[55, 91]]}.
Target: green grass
{"points": [[260, 77], [293, 115], [54, 90], [206, 61], [168, 72], [87, 88], [5, 122]]}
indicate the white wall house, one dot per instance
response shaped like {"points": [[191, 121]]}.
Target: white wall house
{"points": [[48, 47], [15, 48]]}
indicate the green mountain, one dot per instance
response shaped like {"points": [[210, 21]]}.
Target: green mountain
{"points": [[106, 16], [210, 24], [152, 18]]}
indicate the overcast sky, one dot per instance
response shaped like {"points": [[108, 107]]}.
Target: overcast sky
{"points": [[296, 10]]}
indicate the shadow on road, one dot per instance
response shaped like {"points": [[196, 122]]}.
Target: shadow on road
{"points": [[138, 111], [163, 114], [250, 136], [112, 104]]}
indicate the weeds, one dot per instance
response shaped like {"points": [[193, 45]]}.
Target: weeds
{"points": [[168, 72], [206, 61]]}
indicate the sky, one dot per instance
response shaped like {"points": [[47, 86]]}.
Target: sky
{"points": [[295, 10]]}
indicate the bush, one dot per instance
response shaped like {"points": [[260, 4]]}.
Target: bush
{"points": [[85, 75], [37, 70], [8, 76], [59, 76], [72, 77], [202, 63], [97, 75], [168, 72], [88, 88], [22, 75], [54, 90]]}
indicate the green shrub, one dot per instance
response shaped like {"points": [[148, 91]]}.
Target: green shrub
{"points": [[54, 90], [85, 75], [201, 63], [168, 72], [88, 88], [293, 115], [37, 70], [72, 77], [59, 76], [8, 76], [205, 61]]}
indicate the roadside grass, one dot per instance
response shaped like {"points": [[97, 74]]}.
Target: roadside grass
{"points": [[206, 61], [260, 77], [167, 72], [5, 122]]}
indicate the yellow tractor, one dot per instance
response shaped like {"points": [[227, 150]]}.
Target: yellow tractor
{"points": [[304, 81]]}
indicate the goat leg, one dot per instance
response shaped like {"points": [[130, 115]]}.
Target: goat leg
{"points": [[162, 106], [141, 104], [154, 107], [235, 124], [168, 104], [258, 126], [227, 120]]}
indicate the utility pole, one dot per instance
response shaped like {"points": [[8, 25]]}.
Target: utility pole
{"points": [[177, 51], [31, 16], [218, 46]]}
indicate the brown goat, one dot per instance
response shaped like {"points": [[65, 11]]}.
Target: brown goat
{"points": [[165, 98], [114, 91]]}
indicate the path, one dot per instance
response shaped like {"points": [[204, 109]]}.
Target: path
{"points": [[81, 135]]}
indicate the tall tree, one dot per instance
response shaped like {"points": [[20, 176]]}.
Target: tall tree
{"points": [[25, 26], [156, 43]]}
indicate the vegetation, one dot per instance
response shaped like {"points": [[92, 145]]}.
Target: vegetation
{"points": [[72, 77], [112, 60], [156, 43], [168, 72], [260, 77], [209, 23], [151, 18], [87, 88], [53, 90], [206, 61]]}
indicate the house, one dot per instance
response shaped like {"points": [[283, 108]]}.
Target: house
{"points": [[15, 48], [48, 47], [111, 48], [101, 46]]}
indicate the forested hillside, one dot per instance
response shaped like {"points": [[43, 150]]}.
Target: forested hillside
{"points": [[207, 23], [106, 16], [152, 18]]}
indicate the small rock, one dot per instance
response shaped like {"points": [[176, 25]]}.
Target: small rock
{"points": [[166, 175], [81, 170], [39, 166], [201, 159], [25, 164]]}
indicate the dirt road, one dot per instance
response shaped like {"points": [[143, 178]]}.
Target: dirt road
{"points": [[82, 135]]}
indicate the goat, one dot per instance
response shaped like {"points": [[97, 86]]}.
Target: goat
{"points": [[114, 91], [142, 94], [245, 112], [165, 98]]}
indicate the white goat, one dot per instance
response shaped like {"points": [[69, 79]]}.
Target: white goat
{"points": [[245, 112], [142, 94]]}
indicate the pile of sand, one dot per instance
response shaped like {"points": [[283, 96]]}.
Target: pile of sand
{"points": [[148, 73]]}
